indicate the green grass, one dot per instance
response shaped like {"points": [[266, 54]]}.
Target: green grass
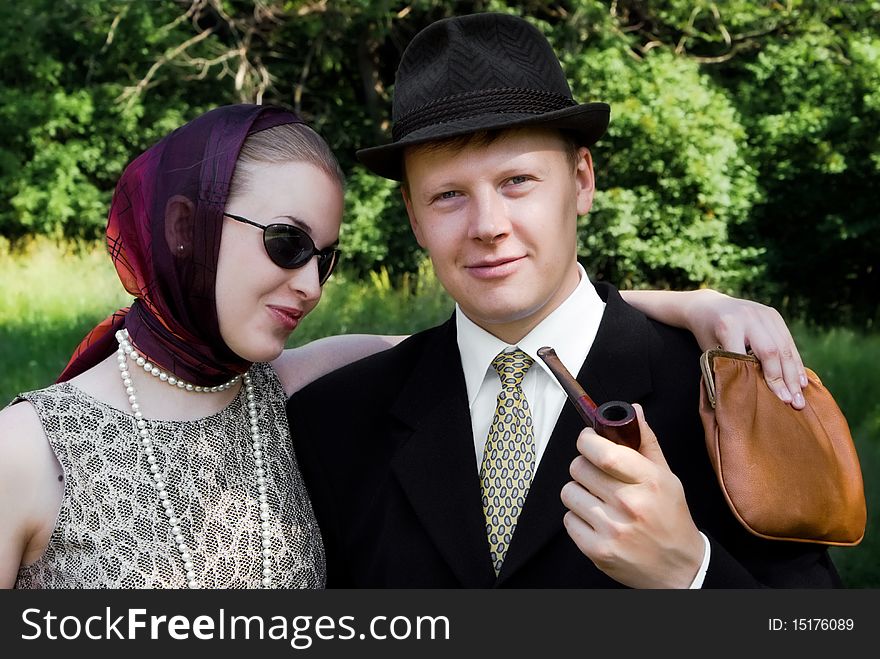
{"points": [[848, 364], [51, 296]]}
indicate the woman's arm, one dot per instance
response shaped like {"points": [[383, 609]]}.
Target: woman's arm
{"points": [[297, 367], [736, 325], [30, 491]]}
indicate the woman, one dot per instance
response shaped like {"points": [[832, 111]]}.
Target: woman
{"points": [[160, 459]]}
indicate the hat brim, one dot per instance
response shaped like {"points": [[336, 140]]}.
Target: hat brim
{"points": [[588, 121]]}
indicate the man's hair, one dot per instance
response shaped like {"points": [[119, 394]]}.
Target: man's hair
{"points": [[282, 144], [483, 138]]}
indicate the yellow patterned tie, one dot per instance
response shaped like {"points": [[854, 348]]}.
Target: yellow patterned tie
{"points": [[509, 457]]}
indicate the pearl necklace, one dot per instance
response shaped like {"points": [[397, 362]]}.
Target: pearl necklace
{"points": [[126, 349]]}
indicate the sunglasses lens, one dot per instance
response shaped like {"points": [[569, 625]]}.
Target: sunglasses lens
{"points": [[288, 246], [326, 263], [291, 247]]}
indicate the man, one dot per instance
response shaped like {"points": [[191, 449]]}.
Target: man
{"points": [[448, 460]]}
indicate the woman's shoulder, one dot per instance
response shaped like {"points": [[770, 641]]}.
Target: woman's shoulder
{"points": [[21, 431], [20, 417], [32, 486]]}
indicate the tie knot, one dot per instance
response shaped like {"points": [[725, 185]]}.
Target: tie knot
{"points": [[512, 367]]}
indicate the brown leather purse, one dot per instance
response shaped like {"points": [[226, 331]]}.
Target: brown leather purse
{"points": [[787, 474]]}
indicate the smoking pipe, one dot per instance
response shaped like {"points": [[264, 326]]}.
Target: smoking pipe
{"points": [[614, 420]]}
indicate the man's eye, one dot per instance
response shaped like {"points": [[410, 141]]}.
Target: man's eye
{"points": [[449, 194], [516, 180]]}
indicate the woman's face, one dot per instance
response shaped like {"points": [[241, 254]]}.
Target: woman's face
{"points": [[259, 303]]}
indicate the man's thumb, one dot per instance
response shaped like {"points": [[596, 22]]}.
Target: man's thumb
{"points": [[650, 448]]}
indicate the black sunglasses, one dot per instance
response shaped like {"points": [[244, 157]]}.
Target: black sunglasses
{"points": [[290, 247]]}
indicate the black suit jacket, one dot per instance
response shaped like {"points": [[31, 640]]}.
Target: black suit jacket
{"points": [[386, 449]]}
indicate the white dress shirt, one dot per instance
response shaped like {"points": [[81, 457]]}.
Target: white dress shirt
{"points": [[581, 311]]}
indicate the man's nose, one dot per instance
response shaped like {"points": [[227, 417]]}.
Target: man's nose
{"points": [[489, 219]]}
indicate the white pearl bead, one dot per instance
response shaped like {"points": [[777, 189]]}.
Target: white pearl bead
{"points": [[126, 349]]}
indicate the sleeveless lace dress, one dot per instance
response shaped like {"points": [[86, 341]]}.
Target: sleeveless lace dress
{"points": [[111, 530]]}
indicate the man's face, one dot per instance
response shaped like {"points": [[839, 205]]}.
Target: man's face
{"points": [[499, 223]]}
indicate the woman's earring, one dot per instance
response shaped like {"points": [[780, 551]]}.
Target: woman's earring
{"points": [[180, 248]]}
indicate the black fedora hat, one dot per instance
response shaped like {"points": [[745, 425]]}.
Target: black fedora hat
{"points": [[479, 72]]}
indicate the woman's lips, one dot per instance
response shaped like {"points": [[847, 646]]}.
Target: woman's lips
{"points": [[495, 268], [286, 317]]}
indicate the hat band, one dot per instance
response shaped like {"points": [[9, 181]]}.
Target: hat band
{"points": [[472, 104]]}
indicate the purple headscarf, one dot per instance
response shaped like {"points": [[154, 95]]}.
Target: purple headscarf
{"points": [[163, 234]]}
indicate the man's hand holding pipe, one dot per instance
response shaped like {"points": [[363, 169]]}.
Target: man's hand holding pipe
{"points": [[628, 514]]}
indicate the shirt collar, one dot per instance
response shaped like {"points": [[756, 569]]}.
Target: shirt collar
{"points": [[581, 311]]}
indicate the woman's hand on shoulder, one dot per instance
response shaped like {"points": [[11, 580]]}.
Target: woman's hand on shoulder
{"points": [[737, 325], [297, 367]]}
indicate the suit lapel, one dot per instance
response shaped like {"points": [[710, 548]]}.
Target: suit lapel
{"points": [[435, 461], [616, 368]]}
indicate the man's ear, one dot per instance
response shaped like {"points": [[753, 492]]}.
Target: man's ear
{"points": [[584, 180], [413, 221], [179, 218]]}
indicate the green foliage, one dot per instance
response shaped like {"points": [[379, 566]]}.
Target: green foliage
{"points": [[742, 153], [671, 174], [376, 230], [66, 133], [813, 118]]}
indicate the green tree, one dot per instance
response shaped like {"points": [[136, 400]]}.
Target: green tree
{"points": [[742, 151]]}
